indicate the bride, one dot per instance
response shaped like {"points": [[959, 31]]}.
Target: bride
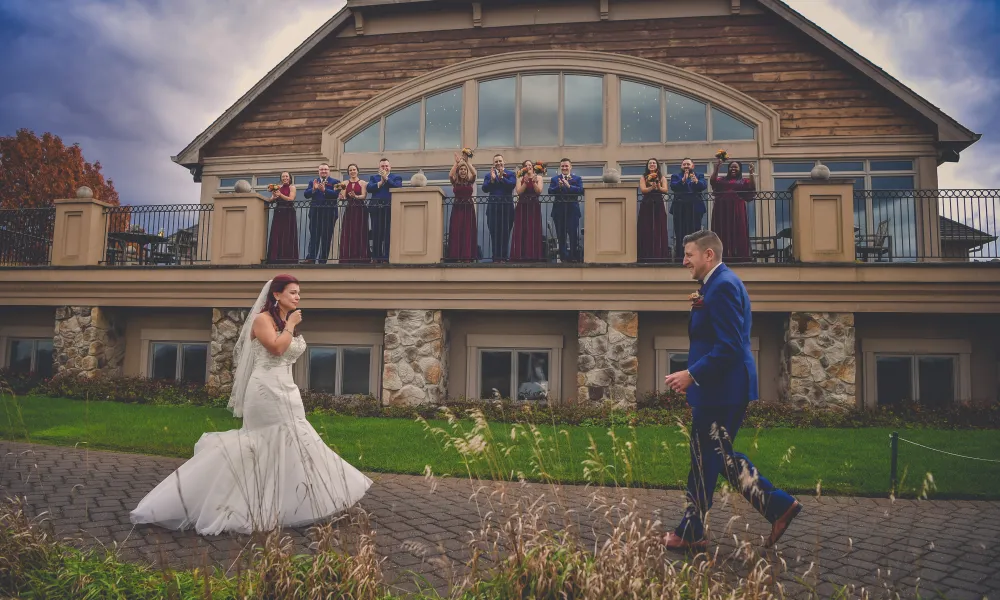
{"points": [[275, 471]]}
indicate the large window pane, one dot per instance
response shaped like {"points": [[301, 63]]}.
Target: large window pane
{"points": [[443, 120], [43, 358], [894, 375], [20, 356], [532, 375], [687, 119], [640, 113], [840, 166], [194, 363], [357, 369], [801, 167], [164, 361], [323, 370], [936, 377], [583, 110], [402, 129], [678, 362], [364, 141], [892, 165], [496, 112], [727, 127], [540, 110], [494, 373]]}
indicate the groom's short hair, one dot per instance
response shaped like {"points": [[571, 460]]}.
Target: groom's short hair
{"points": [[705, 239]]}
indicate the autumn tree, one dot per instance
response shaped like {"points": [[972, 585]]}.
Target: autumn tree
{"points": [[34, 171]]}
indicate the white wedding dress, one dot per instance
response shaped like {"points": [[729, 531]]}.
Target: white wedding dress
{"points": [[275, 471]]}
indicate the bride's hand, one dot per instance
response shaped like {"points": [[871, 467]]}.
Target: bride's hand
{"points": [[294, 319]]}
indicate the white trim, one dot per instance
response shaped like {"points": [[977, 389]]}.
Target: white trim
{"points": [[665, 345], [30, 332], [553, 344], [959, 348]]}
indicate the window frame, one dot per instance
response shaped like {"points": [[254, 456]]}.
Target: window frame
{"points": [[960, 349], [476, 343], [422, 145], [8, 341], [148, 337], [666, 345], [709, 105], [178, 348], [372, 341]]}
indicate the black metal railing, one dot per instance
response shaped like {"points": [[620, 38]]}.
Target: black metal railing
{"points": [[912, 225], [26, 236], [352, 231], [500, 229], [169, 234]]}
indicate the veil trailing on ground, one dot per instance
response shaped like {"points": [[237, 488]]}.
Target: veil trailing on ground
{"points": [[243, 355]]}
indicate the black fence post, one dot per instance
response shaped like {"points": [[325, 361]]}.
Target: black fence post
{"points": [[894, 445]]}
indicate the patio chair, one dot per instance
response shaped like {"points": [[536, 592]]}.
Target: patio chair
{"points": [[878, 244]]}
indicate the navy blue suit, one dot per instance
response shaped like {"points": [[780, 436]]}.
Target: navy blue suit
{"points": [[721, 362], [380, 213], [500, 211], [566, 214], [322, 218], [687, 208]]}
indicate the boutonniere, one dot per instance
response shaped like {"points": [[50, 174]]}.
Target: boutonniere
{"points": [[697, 300]]}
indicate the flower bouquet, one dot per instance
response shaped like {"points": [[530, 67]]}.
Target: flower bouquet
{"points": [[467, 153], [653, 178], [540, 168], [722, 155], [273, 187]]}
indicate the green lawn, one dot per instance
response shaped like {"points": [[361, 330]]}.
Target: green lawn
{"points": [[847, 461]]}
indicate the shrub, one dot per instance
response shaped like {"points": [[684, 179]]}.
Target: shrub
{"points": [[19, 382]]}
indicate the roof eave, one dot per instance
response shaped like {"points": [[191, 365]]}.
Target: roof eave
{"points": [[191, 154]]}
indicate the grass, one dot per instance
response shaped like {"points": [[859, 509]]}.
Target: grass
{"points": [[843, 461]]}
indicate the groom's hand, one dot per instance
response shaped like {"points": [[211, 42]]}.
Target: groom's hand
{"points": [[679, 381]]}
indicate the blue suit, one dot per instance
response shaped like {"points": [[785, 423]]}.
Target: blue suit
{"points": [[721, 362], [322, 218], [380, 213], [687, 208], [566, 214], [500, 211]]}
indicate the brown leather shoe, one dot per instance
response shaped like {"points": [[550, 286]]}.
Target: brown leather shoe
{"points": [[676, 543], [778, 527]]}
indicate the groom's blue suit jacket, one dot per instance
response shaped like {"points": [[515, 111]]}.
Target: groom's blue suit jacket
{"points": [[720, 358]]}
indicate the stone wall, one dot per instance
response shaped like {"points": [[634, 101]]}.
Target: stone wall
{"points": [[415, 358], [818, 361], [88, 341], [226, 326], [608, 363]]}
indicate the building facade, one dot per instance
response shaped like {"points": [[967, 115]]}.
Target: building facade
{"points": [[870, 285]]}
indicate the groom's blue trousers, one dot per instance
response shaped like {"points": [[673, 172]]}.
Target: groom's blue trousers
{"points": [[713, 429]]}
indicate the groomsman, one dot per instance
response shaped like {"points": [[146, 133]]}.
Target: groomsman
{"points": [[322, 195], [499, 184], [688, 206], [567, 189], [380, 208], [720, 382]]}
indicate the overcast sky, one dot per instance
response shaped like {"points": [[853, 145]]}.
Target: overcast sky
{"points": [[133, 81]]}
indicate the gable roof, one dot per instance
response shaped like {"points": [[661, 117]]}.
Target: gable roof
{"points": [[953, 231], [952, 135]]}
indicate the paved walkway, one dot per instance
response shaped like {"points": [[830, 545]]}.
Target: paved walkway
{"points": [[953, 547]]}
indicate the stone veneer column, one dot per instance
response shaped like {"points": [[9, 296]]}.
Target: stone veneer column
{"points": [[607, 365], [89, 341], [818, 361], [415, 357], [226, 326]]}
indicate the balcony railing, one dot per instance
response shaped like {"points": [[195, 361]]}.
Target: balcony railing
{"points": [[170, 234], [889, 226], [26, 236]]}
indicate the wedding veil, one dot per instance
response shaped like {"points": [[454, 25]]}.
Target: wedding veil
{"points": [[243, 355]]}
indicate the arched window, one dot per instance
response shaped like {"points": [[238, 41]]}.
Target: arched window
{"points": [[432, 123], [651, 114]]}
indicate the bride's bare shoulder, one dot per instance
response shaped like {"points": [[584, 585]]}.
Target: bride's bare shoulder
{"points": [[263, 322]]}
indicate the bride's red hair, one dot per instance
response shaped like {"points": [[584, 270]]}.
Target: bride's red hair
{"points": [[278, 285]]}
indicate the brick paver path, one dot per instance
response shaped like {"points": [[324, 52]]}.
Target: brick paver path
{"points": [[953, 547]]}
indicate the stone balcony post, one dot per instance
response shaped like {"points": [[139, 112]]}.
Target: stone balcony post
{"points": [[79, 230], [238, 233], [417, 227], [610, 222]]}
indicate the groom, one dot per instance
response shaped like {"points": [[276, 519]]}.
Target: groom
{"points": [[720, 381]]}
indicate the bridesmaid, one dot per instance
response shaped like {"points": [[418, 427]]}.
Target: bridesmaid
{"points": [[354, 223], [729, 219], [654, 245], [462, 228], [526, 244], [283, 242]]}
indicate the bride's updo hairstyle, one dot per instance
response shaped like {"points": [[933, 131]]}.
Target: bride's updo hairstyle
{"points": [[278, 285]]}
